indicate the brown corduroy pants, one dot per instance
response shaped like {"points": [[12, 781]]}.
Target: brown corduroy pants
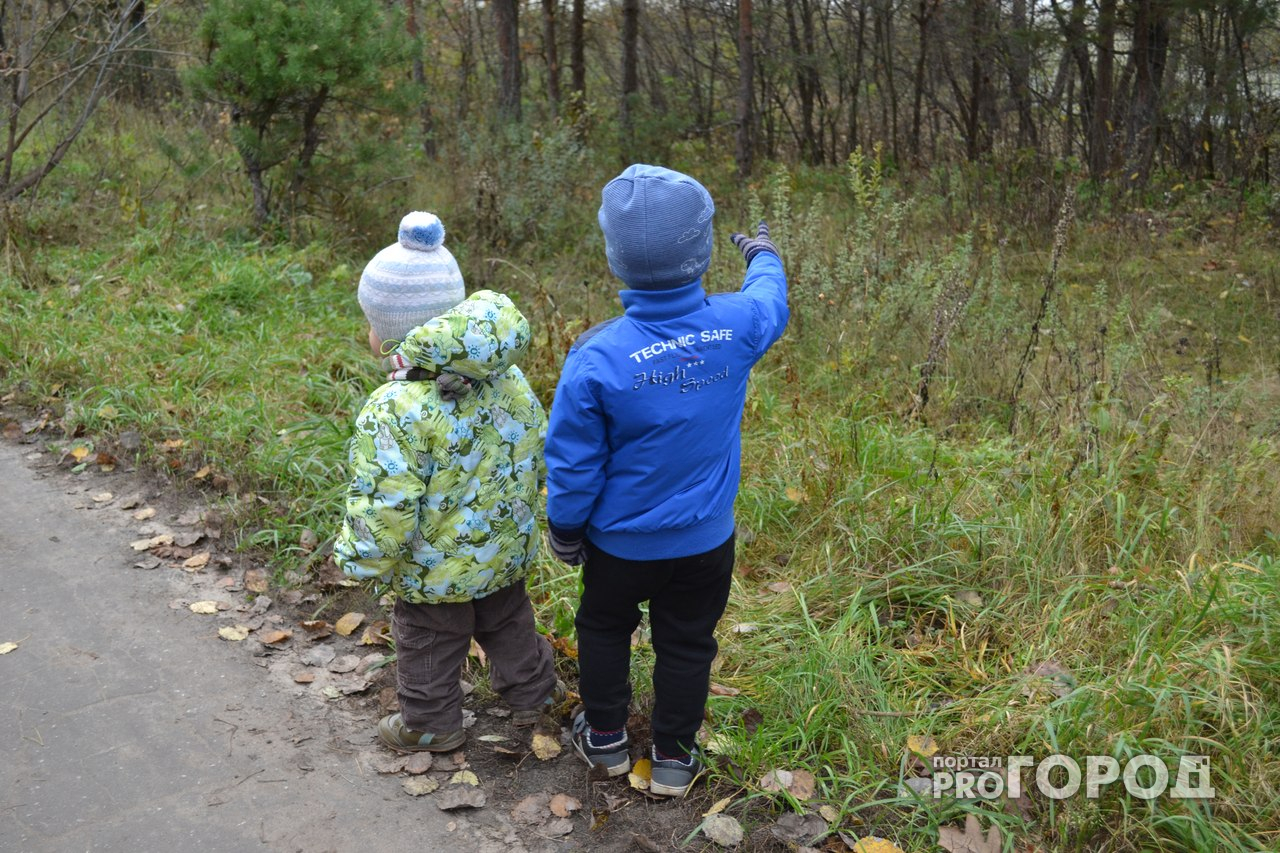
{"points": [[432, 642]]}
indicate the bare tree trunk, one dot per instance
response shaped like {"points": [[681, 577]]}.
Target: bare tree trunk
{"points": [[807, 82], [1020, 75], [429, 147], [746, 74], [551, 54], [310, 144], [577, 54], [1100, 122], [855, 84], [506, 21], [1150, 51], [922, 17], [630, 66]]}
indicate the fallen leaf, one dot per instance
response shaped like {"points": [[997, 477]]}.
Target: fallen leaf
{"points": [[1061, 680], [875, 844], [152, 542], [377, 634], [546, 747], [384, 763], [102, 497], [641, 774], [721, 690], [922, 745], [723, 830], [307, 540], [202, 473], [532, 810], [5, 648], [171, 552], [78, 453], [557, 827], [318, 656], [743, 628], [778, 586], [776, 780], [255, 580], [304, 677], [348, 623], [969, 597], [418, 763], [492, 738], [461, 797], [464, 777], [331, 692], [417, 786], [171, 444], [802, 785], [799, 828], [829, 813], [971, 839], [206, 608], [197, 562], [563, 805], [720, 806], [271, 638], [795, 495], [144, 513], [233, 633], [751, 720], [344, 663]]}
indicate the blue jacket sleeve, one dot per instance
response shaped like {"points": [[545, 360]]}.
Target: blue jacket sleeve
{"points": [[766, 284], [577, 447]]}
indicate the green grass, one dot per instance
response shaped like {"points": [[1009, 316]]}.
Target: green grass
{"points": [[1125, 532]]}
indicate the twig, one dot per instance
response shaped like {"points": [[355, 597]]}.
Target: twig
{"points": [[231, 735]]}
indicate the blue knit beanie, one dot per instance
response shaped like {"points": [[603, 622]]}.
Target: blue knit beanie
{"points": [[657, 227], [411, 281]]}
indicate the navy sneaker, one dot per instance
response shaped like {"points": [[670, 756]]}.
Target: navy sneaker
{"points": [[613, 756], [673, 777]]}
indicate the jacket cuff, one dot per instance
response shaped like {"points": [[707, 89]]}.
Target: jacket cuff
{"points": [[567, 534]]}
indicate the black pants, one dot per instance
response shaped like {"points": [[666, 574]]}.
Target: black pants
{"points": [[686, 596]]}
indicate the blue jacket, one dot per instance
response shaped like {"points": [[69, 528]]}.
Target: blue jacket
{"points": [[644, 444]]}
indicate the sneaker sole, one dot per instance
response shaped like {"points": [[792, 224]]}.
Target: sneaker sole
{"points": [[613, 770], [668, 791], [662, 790]]}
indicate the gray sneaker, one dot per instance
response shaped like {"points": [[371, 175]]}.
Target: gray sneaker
{"points": [[673, 777], [614, 758]]}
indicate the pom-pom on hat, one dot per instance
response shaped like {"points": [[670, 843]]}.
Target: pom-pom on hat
{"points": [[411, 281], [657, 227]]}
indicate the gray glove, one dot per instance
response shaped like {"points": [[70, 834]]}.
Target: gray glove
{"points": [[571, 552], [752, 246]]}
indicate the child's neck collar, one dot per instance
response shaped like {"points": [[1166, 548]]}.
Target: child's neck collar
{"points": [[663, 304]]}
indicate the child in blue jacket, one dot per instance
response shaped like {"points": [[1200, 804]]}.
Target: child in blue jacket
{"points": [[643, 462]]}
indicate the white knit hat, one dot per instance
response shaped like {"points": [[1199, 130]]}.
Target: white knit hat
{"points": [[411, 281]]}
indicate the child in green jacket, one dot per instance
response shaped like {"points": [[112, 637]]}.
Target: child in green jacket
{"points": [[446, 465]]}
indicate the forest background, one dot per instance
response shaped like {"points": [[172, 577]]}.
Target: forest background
{"points": [[1010, 479]]}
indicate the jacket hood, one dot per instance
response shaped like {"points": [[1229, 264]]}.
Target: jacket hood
{"points": [[479, 338]]}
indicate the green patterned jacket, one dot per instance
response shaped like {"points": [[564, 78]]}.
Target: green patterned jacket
{"points": [[443, 492]]}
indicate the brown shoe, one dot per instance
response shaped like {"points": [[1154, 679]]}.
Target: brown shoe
{"points": [[530, 716], [395, 734]]}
